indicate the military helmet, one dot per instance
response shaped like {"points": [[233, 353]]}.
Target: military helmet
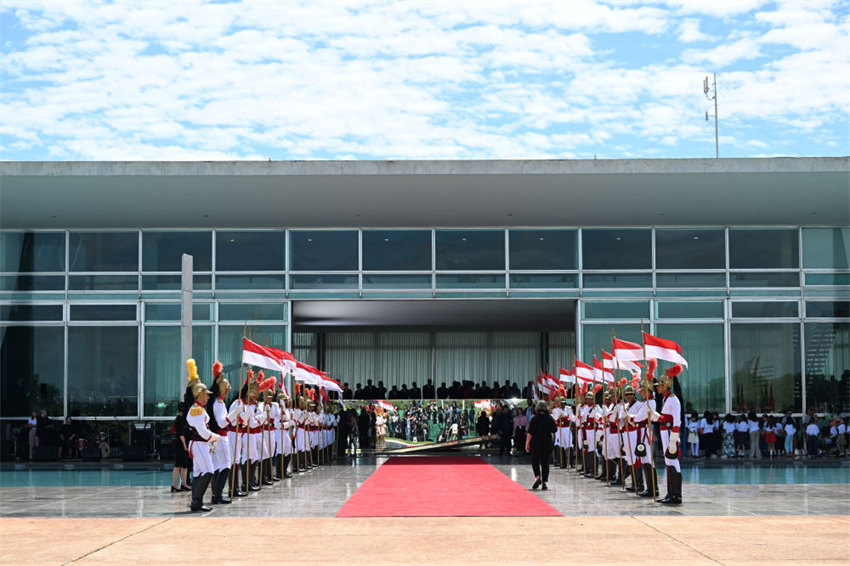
{"points": [[628, 390], [198, 388]]}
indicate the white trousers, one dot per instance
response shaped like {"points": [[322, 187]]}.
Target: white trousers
{"points": [[201, 459]]}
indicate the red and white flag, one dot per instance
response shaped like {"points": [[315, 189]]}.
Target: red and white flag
{"points": [[663, 349], [308, 374], [600, 373], [610, 361], [584, 372], [260, 356], [566, 376], [287, 360], [331, 384], [627, 351]]}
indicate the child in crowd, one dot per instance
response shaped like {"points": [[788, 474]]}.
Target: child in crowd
{"points": [[742, 434], [728, 447], [842, 438], [708, 426], [754, 430], [693, 434], [770, 437], [812, 438], [790, 431]]}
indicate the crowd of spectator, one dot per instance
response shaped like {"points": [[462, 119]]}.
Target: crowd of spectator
{"points": [[457, 390]]}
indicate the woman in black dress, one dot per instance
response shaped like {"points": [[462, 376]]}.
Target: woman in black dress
{"points": [[182, 461], [538, 443]]}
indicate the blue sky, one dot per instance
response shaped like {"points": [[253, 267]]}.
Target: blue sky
{"points": [[421, 80]]}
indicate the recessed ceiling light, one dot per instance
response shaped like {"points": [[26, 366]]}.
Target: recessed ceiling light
{"points": [[619, 238], [696, 237], [309, 239], [463, 239], [541, 239], [232, 240], [386, 239]]}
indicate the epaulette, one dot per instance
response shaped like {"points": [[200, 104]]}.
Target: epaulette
{"points": [[196, 411]]}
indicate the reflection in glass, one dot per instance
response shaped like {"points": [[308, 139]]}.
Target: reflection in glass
{"points": [[828, 309], [617, 280], [104, 251], [828, 279], [250, 251], [766, 373], [678, 280], [470, 249], [703, 382], [31, 312], [471, 281], [388, 250], [827, 248], [251, 282], [103, 283], [163, 378], [828, 366], [790, 279], [382, 281], [252, 311], [163, 251], [103, 312], [763, 249], [690, 309], [544, 281], [32, 283], [616, 248], [175, 282], [543, 249], [323, 250], [31, 369], [32, 251], [597, 336], [323, 281], [616, 310], [759, 309], [690, 249], [102, 370]]}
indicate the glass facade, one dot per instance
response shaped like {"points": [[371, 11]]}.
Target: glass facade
{"points": [[89, 320]]}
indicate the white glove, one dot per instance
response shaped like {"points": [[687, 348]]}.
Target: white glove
{"points": [[260, 418], [674, 438], [654, 415], [214, 437]]}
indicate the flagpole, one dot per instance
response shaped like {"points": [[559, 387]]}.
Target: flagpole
{"points": [[649, 419], [628, 441], [238, 420]]}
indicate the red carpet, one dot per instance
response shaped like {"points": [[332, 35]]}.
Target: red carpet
{"points": [[422, 486]]}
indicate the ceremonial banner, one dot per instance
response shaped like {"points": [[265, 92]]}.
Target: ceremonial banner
{"points": [[600, 373], [285, 358], [255, 355], [584, 372], [566, 376], [663, 349], [610, 361], [627, 351]]}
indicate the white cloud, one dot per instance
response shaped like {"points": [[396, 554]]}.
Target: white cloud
{"points": [[689, 32], [725, 55]]}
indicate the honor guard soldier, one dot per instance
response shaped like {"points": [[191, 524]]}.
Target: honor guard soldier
{"points": [[589, 427], [633, 464], [220, 423], [253, 429], [286, 429], [671, 421], [201, 440], [563, 416], [237, 436], [612, 442]]}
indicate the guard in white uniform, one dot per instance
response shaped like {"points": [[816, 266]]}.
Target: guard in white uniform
{"points": [[202, 440], [563, 416], [629, 410], [286, 430], [671, 421], [589, 415], [220, 422]]}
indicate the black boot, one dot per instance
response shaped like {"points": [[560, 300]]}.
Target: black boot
{"points": [[638, 483], [267, 472], [253, 476], [302, 461], [563, 458], [621, 478], [278, 468], [651, 478], [668, 485], [219, 481], [675, 496], [242, 483], [286, 473], [199, 487]]}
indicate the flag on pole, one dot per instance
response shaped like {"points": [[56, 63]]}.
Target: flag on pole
{"points": [[255, 355], [611, 361], [307, 374], [566, 376], [285, 358], [584, 372], [627, 351], [600, 373], [663, 349]]}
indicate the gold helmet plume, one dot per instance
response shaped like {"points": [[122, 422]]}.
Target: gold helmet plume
{"points": [[193, 372]]}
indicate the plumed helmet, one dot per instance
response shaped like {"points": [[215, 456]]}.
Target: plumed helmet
{"points": [[253, 389], [589, 395], [650, 368], [198, 388], [193, 372], [628, 390], [216, 369]]}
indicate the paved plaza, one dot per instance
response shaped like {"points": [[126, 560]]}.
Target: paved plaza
{"points": [[718, 524]]}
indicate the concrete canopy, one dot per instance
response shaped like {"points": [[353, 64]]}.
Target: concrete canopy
{"points": [[643, 192]]}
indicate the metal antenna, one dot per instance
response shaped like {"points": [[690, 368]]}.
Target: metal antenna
{"points": [[705, 90]]}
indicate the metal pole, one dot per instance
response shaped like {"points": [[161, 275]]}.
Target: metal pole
{"points": [[185, 318], [716, 135]]}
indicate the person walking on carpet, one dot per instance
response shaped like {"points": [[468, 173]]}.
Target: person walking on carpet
{"points": [[538, 443]]}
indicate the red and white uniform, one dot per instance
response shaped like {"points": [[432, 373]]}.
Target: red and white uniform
{"points": [[611, 448], [642, 420], [630, 432], [287, 428], [222, 457], [199, 445], [671, 421], [589, 414]]}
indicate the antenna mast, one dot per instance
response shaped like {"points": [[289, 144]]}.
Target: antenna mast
{"points": [[705, 90]]}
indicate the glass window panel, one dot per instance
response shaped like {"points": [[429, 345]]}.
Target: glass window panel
{"points": [[470, 249], [250, 251], [616, 310], [828, 366], [562, 350], [678, 280], [32, 251], [103, 312], [175, 282], [323, 250], [763, 249], [703, 382], [690, 309], [32, 283], [616, 280], [32, 361], [544, 281], [103, 370], [202, 312], [162, 312], [764, 279], [597, 336], [252, 282], [828, 279], [163, 383], [104, 251], [766, 373], [31, 312], [615, 248], [690, 249], [826, 248], [252, 311], [471, 281], [765, 309], [543, 249], [103, 282], [828, 309], [396, 281], [385, 250], [163, 251], [323, 281]]}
